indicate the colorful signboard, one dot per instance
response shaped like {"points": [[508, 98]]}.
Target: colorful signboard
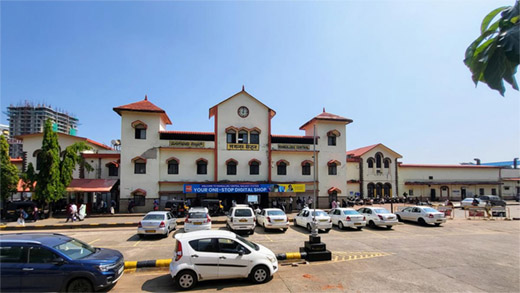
{"points": [[242, 188]]}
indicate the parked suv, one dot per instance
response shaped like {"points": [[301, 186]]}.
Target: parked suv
{"points": [[241, 218], [495, 200], [47, 262]]}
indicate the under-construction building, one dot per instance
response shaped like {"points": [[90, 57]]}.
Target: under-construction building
{"points": [[29, 118]]}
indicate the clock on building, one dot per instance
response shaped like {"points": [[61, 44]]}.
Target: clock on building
{"points": [[243, 112]]}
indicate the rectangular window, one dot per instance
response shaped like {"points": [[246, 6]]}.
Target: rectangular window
{"points": [[255, 138], [232, 169], [231, 137], [139, 168], [112, 170], [306, 169], [11, 254], [140, 133], [506, 187], [202, 169], [242, 137], [410, 192], [139, 200], [493, 191], [333, 169], [332, 140], [173, 168], [431, 177], [481, 191], [254, 169], [282, 169]]}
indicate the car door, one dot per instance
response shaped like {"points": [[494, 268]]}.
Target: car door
{"points": [[40, 268], [332, 216], [12, 257], [205, 257], [306, 218], [415, 214], [260, 218], [231, 264]]}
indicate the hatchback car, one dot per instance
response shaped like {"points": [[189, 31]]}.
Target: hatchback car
{"points": [[377, 216], [494, 200], [156, 223], [217, 254], [346, 217], [272, 219], [468, 201], [241, 218], [422, 215], [46, 262], [197, 219], [304, 218]]}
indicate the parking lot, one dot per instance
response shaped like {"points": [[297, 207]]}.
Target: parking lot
{"points": [[461, 255]]}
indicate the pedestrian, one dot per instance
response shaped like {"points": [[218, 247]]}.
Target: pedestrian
{"points": [[36, 214], [333, 204], [290, 203], [74, 208], [131, 206], [82, 211], [155, 205], [343, 203], [69, 213], [112, 208], [21, 217], [309, 202]]}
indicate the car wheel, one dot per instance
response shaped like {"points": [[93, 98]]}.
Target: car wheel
{"points": [[80, 285], [265, 229], [165, 235], [284, 229], [327, 230], [389, 227], [421, 221], [399, 218], [186, 280], [360, 228], [340, 225], [437, 224], [371, 224], [252, 232], [309, 227], [259, 274]]}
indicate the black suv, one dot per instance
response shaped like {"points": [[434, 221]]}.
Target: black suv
{"points": [[495, 200]]}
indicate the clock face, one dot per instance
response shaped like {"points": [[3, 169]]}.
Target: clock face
{"points": [[243, 112]]}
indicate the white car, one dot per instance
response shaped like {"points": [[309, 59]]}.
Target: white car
{"points": [[241, 218], [347, 217], [421, 214], [155, 223], [218, 254], [377, 216], [272, 219], [304, 219], [197, 219], [468, 201]]}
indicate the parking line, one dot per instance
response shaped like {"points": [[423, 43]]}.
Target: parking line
{"points": [[90, 243], [270, 240], [137, 243]]}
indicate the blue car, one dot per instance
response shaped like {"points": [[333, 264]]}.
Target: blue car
{"points": [[55, 262]]}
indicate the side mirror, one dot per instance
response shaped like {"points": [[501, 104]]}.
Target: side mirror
{"points": [[241, 251], [58, 261]]}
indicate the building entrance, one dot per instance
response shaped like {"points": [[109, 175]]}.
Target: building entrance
{"points": [[252, 199]]}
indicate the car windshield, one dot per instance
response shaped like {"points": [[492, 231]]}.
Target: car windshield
{"points": [[197, 215], [275, 213], [243, 213], [154, 217], [430, 210], [319, 214], [75, 249], [350, 212], [381, 211], [248, 243]]}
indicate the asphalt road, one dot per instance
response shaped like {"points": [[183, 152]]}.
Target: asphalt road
{"points": [[461, 255]]}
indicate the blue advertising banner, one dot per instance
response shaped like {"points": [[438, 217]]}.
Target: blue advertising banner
{"points": [[226, 188]]}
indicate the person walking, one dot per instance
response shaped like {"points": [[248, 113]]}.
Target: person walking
{"points": [[21, 217], [155, 205], [333, 204], [290, 203], [82, 211], [69, 213], [74, 209], [36, 214]]}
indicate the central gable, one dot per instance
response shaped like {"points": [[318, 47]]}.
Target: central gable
{"points": [[240, 97]]}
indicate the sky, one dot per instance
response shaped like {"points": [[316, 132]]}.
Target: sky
{"points": [[394, 67]]}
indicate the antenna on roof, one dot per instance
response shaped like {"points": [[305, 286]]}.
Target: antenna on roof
{"points": [[323, 109], [146, 97], [243, 88]]}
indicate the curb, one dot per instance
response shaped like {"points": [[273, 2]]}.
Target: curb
{"points": [[158, 263]]}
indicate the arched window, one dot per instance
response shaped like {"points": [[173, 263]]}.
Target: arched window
{"points": [[370, 162], [387, 189], [140, 129], [139, 196], [231, 167], [370, 190], [242, 136], [331, 137], [306, 167], [113, 168], [379, 158], [379, 189], [173, 166], [254, 167], [202, 166], [387, 163], [231, 136], [139, 165], [281, 167], [333, 167], [36, 154], [255, 137]]}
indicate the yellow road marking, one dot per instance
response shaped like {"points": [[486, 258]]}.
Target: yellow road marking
{"points": [[270, 240], [137, 243], [93, 241]]}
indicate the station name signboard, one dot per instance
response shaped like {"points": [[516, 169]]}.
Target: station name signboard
{"points": [[242, 147], [295, 147], [242, 188], [186, 144]]}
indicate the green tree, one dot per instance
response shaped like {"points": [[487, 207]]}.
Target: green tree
{"points": [[28, 178], [494, 56], [8, 171]]}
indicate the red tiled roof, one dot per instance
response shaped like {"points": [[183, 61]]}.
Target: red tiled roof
{"points": [[292, 136], [359, 152], [112, 155], [332, 189], [327, 117], [447, 166], [20, 186], [511, 179], [91, 185], [104, 146], [143, 106], [16, 160]]}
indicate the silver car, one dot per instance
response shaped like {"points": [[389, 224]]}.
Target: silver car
{"points": [[156, 223], [197, 219], [377, 216]]}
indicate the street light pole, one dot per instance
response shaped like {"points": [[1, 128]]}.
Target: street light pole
{"points": [[314, 224]]}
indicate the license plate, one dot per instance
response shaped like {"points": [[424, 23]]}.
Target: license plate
{"points": [[279, 220], [197, 223], [357, 224], [323, 220], [390, 218], [149, 231], [242, 220], [120, 270]]}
